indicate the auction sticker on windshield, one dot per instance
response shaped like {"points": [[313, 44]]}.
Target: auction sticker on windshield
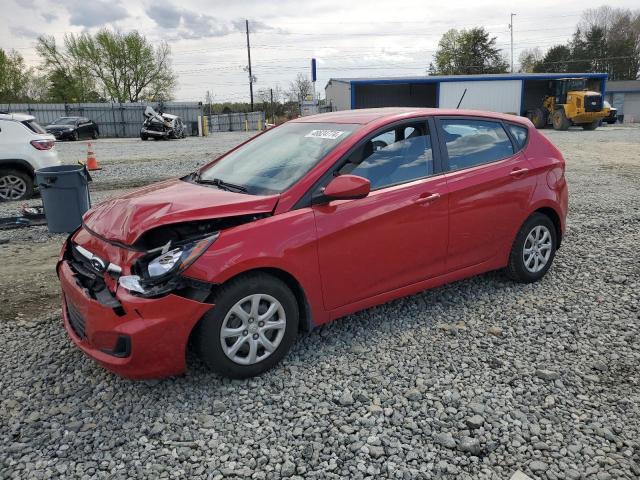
{"points": [[328, 134]]}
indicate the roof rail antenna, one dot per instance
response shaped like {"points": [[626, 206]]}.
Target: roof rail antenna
{"points": [[463, 94]]}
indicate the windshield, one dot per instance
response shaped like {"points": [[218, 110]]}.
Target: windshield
{"points": [[576, 84], [277, 159], [65, 121]]}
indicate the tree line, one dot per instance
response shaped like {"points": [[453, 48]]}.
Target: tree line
{"points": [[605, 40]]}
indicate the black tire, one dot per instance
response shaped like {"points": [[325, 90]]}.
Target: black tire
{"points": [[591, 126], [143, 137], [8, 178], [208, 335], [516, 268], [560, 120], [95, 134], [539, 118], [75, 136]]}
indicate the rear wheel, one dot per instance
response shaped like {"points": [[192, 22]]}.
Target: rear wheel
{"points": [[533, 249], [95, 134], [591, 126], [251, 328], [15, 185], [560, 120], [539, 118]]}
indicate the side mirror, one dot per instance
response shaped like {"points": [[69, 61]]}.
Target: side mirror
{"points": [[347, 187]]}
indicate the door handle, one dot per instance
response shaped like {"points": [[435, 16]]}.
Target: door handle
{"points": [[428, 198], [518, 172]]}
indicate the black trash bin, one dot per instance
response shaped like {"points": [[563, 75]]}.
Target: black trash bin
{"points": [[65, 195]]}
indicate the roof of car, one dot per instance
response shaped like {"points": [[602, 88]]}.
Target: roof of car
{"points": [[368, 115], [17, 117]]}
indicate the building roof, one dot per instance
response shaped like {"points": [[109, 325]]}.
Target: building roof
{"points": [[623, 86], [450, 78]]}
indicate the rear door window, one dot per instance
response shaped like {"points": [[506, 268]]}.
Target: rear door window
{"points": [[474, 142]]}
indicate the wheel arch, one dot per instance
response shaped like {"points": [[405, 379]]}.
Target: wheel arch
{"points": [[17, 164], [305, 322], [555, 218]]}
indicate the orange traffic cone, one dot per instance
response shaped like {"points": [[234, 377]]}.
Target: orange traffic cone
{"points": [[92, 163]]}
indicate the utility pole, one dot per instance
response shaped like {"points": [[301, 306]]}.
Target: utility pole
{"points": [[273, 117], [511, 29], [250, 75]]}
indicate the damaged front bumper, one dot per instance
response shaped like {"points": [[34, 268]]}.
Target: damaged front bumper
{"points": [[133, 336]]}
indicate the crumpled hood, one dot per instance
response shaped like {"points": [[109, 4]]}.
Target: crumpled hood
{"points": [[123, 219]]}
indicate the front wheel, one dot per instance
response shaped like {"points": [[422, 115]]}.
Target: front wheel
{"points": [[591, 126], [560, 120], [75, 136], [251, 328], [533, 249], [95, 134]]}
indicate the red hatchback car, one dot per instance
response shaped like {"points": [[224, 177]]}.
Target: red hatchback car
{"points": [[302, 224]]}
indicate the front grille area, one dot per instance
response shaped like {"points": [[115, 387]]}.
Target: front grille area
{"points": [[592, 103], [76, 321]]}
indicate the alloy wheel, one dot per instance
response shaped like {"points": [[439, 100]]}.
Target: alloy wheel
{"points": [[12, 187], [253, 329], [537, 248]]}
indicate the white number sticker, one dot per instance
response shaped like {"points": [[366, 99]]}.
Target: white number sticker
{"points": [[328, 134]]}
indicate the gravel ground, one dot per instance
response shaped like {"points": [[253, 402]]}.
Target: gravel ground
{"points": [[474, 380]]}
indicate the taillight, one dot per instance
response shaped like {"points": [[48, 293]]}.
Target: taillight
{"points": [[43, 144]]}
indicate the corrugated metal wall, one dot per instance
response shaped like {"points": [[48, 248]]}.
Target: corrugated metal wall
{"points": [[235, 122], [113, 119], [496, 96]]}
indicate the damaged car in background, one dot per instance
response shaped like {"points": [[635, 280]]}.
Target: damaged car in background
{"points": [[161, 126], [303, 224]]}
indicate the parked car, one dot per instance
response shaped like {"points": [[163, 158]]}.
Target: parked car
{"points": [[73, 128], [24, 148], [307, 222], [612, 118], [161, 126]]}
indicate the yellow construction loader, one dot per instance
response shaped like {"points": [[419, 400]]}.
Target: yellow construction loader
{"points": [[570, 103]]}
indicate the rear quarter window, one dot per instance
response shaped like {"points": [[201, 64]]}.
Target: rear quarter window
{"points": [[33, 126], [519, 134]]}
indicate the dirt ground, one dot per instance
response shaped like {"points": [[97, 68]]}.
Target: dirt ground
{"points": [[28, 286]]}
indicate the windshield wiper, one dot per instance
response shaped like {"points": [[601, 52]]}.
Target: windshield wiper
{"points": [[220, 184]]}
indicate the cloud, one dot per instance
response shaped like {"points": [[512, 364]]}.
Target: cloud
{"points": [[24, 32], [49, 17], [192, 25], [93, 13]]}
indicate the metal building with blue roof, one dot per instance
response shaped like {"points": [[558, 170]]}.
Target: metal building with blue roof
{"points": [[515, 93]]}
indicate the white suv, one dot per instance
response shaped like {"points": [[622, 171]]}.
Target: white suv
{"points": [[24, 148]]}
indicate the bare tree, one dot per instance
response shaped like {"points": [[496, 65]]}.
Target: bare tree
{"points": [[300, 88], [529, 58]]}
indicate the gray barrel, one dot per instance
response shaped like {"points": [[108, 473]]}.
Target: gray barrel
{"points": [[65, 195]]}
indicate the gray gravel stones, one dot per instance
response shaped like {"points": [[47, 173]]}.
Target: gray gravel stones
{"points": [[474, 422], [538, 466], [445, 439], [62, 416], [547, 374], [470, 445]]}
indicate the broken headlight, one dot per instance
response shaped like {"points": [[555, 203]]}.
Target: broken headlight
{"points": [[156, 272]]}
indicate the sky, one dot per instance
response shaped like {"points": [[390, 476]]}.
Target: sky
{"points": [[369, 38]]}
